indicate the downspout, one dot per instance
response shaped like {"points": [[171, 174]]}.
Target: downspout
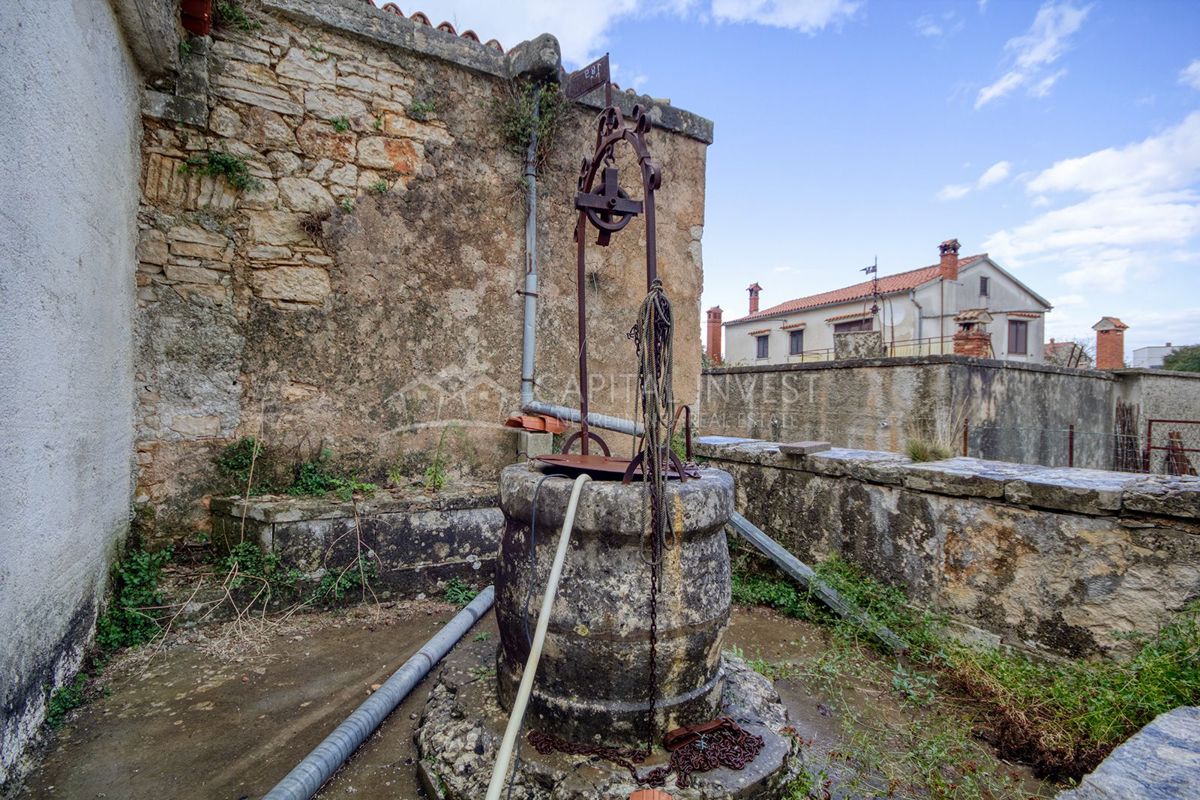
{"points": [[529, 332], [912, 295]]}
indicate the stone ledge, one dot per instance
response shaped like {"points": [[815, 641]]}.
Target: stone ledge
{"points": [[286, 508], [1080, 491], [909, 361]]}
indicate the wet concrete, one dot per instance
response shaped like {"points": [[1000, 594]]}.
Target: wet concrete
{"points": [[208, 719]]}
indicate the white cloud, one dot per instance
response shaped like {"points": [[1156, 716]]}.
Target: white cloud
{"points": [[1190, 75], [954, 191], [934, 27], [994, 174], [991, 176], [1140, 209], [1034, 51], [807, 16], [583, 29], [927, 26]]}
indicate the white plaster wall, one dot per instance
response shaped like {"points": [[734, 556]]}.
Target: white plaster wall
{"points": [[68, 153]]}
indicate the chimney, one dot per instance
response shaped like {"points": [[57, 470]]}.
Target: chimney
{"points": [[1110, 343], [754, 289], [714, 335], [949, 265]]}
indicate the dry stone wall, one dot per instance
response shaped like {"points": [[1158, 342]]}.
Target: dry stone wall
{"points": [[360, 294], [1067, 561]]}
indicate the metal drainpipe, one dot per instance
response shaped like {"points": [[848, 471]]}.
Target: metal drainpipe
{"points": [[529, 333], [529, 336], [307, 777]]}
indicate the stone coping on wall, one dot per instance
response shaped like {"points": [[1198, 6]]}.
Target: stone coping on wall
{"points": [[1080, 491], [363, 20], [286, 508], [910, 361], [1157, 373]]}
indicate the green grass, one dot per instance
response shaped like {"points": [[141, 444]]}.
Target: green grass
{"points": [[919, 450], [1061, 718], [313, 478]]}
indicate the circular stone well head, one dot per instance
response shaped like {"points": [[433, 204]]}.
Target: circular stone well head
{"points": [[593, 681]]}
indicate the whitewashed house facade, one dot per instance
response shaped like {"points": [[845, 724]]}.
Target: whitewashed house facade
{"points": [[913, 311]]}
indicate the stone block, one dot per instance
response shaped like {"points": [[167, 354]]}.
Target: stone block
{"points": [[304, 194], [960, 477], [268, 97], [1084, 491], [276, 227], [267, 129], [1167, 495], [292, 284], [330, 104], [382, 152], [196, 426], [152, 247], [531, 444], [1159, 762], [319, 140], [186, 274], [302, 65]]}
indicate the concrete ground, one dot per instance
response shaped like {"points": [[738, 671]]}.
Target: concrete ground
{"points": [[225, 712]]}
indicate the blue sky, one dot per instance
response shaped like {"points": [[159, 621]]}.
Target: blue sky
{"points": [[1063, 138]]}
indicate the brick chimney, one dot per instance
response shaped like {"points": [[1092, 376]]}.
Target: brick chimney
{"points": [[949, 265], [1110, 343], [714, 335], [754, 289]]}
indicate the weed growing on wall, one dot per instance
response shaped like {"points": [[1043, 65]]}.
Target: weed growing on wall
{"points": [[230, 14], [246, 464], [514, 113], [218, 163], [1061, 718], [459, 592], [340, 124], [337, 584], [422, 110], [66, 699], [379, 187], [435, 473], [132, 616], [919, 450], [313, 478]]}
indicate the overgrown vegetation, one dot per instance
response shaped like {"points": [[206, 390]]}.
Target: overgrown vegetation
{"points": [[459, 592], [920, 450], [218, 163], [515, 115], [66, 699], [1184, 359], [337, 584], [1060, 718], [230, 14], [133, 613], [315, 479], [251, 468], [242, 463]]}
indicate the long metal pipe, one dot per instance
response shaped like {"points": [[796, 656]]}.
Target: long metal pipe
{"points": [[529, 336], [317, 767], [605, 421]]}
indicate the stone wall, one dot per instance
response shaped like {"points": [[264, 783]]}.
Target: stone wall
{"points": [[1012, 411], [362, 296], [69, 156], [1055, 559]]}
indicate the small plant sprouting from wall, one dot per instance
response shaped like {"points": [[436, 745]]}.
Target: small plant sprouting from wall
{"points": [[218, 163], [459, 592], [435, 473], [379, 187], [340, 124], [244, 463], [230, 14], [514, 112], [132, 616], [422, 110], [920, 450], [66, 699], [347, 205], [937, 436], [314, 478]]}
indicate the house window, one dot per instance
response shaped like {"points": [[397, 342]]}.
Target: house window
{"points": [[762, 343], [983, 286], [1018, 337], [864, 324], [795, 343]]}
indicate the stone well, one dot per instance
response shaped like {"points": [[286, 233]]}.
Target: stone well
{"points": [[592, 683]]}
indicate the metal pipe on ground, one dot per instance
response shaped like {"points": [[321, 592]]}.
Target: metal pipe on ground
{"points": [[308, 776], [805, 576]]}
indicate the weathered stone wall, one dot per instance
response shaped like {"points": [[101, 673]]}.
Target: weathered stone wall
{"points": [[1065, 560], [1012, 411], [364, 296], [69, 156]]}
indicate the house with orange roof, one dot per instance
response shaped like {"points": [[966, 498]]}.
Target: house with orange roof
{"points": [[912, 312]]}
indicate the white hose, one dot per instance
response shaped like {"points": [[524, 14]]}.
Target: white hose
{"points": [[535, 649]]}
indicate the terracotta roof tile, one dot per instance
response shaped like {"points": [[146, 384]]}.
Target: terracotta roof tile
{"points": [[888, 284], [851, 315], [421, 19]]}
